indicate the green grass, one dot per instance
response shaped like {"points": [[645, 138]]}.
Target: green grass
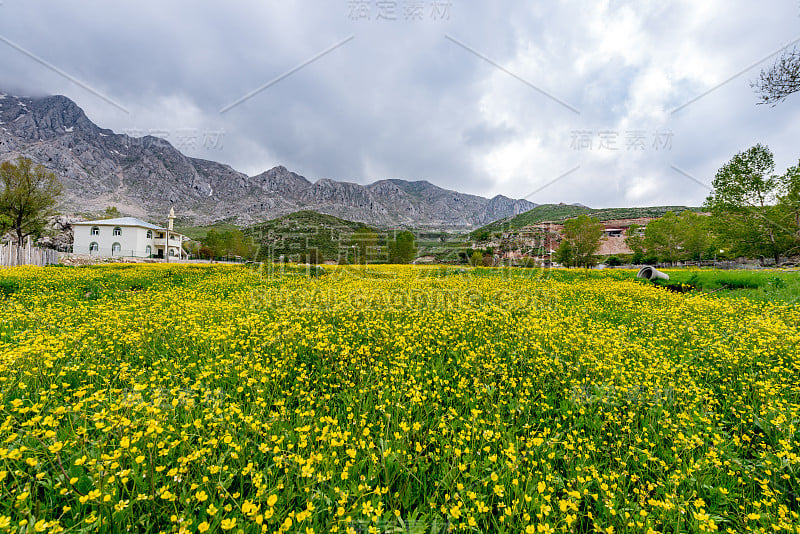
{"points": [[766, 285]]}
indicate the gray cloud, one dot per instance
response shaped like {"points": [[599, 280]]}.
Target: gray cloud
{"points": [[402, 101]]}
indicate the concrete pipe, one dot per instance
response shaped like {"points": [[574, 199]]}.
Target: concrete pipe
{"points": [[651, 273]]}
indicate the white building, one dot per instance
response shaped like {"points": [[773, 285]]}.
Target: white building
{"points": [[127, 236]]}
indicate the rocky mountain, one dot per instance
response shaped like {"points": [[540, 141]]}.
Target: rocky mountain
{"points": [[143, 176]]}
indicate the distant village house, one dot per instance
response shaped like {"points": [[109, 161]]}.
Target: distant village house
{"points": [[539, 241]]}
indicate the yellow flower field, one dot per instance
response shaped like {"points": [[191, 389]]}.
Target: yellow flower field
{"points": [[391, 399]]}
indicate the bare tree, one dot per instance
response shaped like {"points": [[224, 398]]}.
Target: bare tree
{"points": [[781, 80]]}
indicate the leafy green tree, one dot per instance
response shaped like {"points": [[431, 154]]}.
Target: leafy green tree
{"points": [[28, 197], [580, 241], [5, 224], [364, 241], [212, 242], [565, 254], [313, 257], [788, 209], [743, 204], [662, 238], [227, 243], [206, 252], [671, 238], [403, 248], [634, 238], [476, 258], [697, 239], [239, 244], [745, 181]]}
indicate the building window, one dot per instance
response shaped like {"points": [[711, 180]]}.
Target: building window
{"points": [[116, 248], [93, 247], [117, 231], [148, 250], [172, 252], [149, 234], [95, 231]]}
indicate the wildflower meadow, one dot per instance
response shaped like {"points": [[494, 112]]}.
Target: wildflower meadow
{"points": [[186, 398]]}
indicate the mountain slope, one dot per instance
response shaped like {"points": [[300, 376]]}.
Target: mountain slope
{"points": [[560, 212], [144, 176]]}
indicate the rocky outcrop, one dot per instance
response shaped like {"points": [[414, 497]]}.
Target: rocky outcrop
{"points": [[144, 176]]}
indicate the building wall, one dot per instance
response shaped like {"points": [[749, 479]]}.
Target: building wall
{"points": [[614, 245], [133, 240]]}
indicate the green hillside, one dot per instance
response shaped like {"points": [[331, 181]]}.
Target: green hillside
{"points": [[293, 235], [561, 212], [198, 233]]}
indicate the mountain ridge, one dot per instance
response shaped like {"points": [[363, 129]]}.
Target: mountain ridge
{"points": [[144, 176]]}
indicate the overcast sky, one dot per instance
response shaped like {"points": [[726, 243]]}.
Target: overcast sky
{"points": [[592, 102]]}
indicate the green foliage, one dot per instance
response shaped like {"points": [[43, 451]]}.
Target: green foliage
{"points": [[312, 257], [294, 234], [5, 223], [207, 253], [403, 248], [788, 209], [111, 213], [745, 181], [672, 238], [613, 261], [580, 242], [226, 244], [662, 238], [634, 238], [564, 254], [744, 205], [527, 263], [28, 197], [697, 239], [476, 258], [198, 233], [364, 241]]}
